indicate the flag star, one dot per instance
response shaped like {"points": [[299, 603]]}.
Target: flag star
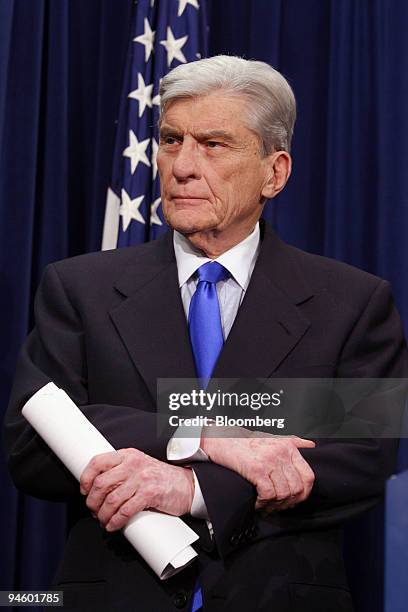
{"points": [[143, 94], [129, 209], [173, 47], [136, 151], [183, 4], [146, 39], [154, 217], [155, 148]]}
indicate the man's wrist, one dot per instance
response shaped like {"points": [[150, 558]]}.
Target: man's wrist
{"points": [[213, 439]]}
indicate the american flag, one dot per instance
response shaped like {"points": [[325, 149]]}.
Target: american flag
{"points": [[165, 33]]}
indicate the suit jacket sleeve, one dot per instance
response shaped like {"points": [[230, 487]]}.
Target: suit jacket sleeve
{"points": [[351, 473], [56, 351]]}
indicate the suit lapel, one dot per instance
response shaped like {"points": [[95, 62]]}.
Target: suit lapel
{"points": [[269, 324], [151, 320], [152, 324]]}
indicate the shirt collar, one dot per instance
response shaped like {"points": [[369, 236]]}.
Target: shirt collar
{"points": [[239, 260]]}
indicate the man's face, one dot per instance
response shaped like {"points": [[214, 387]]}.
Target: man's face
{"points": [[211, 170]]}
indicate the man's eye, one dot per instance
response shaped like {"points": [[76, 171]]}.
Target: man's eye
{"points": [[170, 140], [213, 144]]}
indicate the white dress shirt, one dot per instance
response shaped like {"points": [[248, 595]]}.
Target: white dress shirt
{"points": [[240, 262]]}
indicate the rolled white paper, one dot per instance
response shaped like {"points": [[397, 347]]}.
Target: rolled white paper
{"points": [[162, 540]]}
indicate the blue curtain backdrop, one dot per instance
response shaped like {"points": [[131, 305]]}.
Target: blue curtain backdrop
{"points": [[60, 80]]}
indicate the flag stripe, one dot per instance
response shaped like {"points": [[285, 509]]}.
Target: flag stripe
{"points": [[111, 223]]}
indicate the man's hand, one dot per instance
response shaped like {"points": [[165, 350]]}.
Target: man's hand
{"points": [[121, 483], [272, 463]]}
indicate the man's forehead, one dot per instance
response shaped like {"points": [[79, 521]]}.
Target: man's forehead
{"points": [[215, 114]]}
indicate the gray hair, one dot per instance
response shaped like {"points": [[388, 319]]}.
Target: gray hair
{"points": [[272, 102]]}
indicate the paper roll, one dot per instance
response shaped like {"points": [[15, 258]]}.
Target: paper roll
{"points": [[162, 540]]}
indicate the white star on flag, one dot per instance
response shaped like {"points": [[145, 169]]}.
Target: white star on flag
{"points": [[183, 4], [146, 39], [129, 209], [173, 47], [143, 94], [154, 217], [136, 151], [155, 148]]}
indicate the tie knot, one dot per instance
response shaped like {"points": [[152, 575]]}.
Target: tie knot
{"points": [[212, 272]]}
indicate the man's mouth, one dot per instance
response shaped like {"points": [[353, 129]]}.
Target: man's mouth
{"points": [[187, 199]]}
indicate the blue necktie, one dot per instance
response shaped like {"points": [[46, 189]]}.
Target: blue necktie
{"points": [[207, 340], [204, 319], [197, 598]]}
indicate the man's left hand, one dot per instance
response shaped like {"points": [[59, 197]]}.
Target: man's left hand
{"points": [[121, 483]]}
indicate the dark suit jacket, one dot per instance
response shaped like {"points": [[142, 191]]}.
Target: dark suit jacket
{"points": [[109, 324]]}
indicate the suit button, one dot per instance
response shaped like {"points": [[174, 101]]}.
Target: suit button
{"points": [[234, 539], [180, 599]]}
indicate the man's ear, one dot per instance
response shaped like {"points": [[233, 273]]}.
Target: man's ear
{"points": [[279, 167]]}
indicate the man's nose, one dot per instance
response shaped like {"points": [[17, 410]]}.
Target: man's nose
{"points": [[186, 164]]}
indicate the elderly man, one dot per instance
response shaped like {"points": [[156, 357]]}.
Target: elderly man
{"points": [[219, 295]]}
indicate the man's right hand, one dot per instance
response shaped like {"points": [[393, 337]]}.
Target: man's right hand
{"points": [[272, 463]]}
